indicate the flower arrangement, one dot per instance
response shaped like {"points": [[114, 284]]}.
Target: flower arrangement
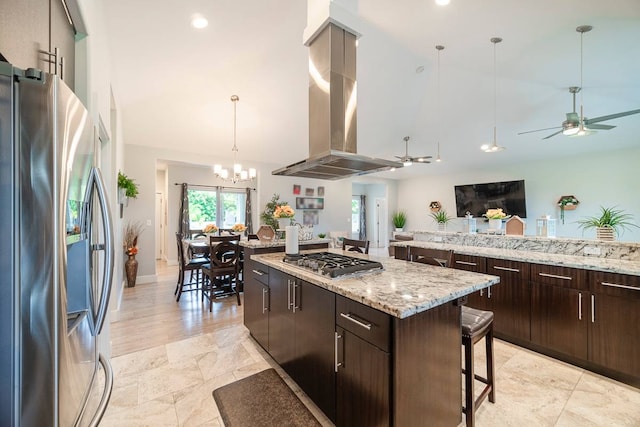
{"points": [[495, 214], [210, 228], [239, 228], [130, 239], [283, 211]]}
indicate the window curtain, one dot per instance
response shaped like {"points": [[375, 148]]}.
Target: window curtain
{"points": [[363, 218], [183, 224], [247, 212]]}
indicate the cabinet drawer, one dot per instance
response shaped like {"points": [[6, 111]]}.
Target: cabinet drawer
{"points": [[260, 272], [368, 323], [470, 263], [565, 277], [515, 270], [622, 285]]}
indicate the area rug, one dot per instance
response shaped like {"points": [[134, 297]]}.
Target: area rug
{"points": [[264, 400]]}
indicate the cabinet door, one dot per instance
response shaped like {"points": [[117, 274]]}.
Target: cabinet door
{"points": [[615, 322], [510, 300], [256, 310], [478, 299], [63, 38], [281, 321], [559, 319], [24, 32], [363, 382], [313, 368]]}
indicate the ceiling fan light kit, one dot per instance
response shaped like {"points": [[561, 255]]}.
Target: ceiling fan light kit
{"points": [[577, 124], [408, 160]]}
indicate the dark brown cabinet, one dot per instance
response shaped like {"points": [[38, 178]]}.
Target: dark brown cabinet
{"points": [[614, 322], [301, 336], [559, 309], [363, 369], [478, 299], [510, 300], [256, 302]]}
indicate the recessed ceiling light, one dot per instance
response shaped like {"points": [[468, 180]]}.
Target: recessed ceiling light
{"points": [[198, 21], [442, 2]]}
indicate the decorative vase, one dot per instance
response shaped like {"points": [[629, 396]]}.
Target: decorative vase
{"points": [[131, 270], [605, 233], [495, 224], [442, 226], [399, 230]]}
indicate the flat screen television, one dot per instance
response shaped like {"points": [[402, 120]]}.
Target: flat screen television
{"points": [[477, 198]]}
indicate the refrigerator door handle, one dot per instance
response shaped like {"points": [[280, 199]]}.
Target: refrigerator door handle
{"points": [[96, 178], [106, 394]]}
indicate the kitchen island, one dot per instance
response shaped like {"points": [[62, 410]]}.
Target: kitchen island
{"points": [[379, 348]]}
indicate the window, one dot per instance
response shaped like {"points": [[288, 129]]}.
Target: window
{"points": [[224, 208], [355, 216]]}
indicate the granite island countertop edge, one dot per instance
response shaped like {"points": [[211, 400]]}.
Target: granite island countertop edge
{"points": [[401, 290]]}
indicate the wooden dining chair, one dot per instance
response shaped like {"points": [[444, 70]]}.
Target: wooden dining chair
{"points": [[438, 257], [361, 246], [191, 265], [221, 274]]}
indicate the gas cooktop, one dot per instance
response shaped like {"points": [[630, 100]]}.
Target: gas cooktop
{"points": [[333, 265]]}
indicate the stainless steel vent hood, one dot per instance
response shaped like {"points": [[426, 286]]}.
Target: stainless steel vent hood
{"points": [[332, 112]]}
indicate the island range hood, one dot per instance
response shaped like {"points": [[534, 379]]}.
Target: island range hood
{"points": [[332, 112]]}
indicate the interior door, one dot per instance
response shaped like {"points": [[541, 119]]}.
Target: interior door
{"points": [[380, 237]]}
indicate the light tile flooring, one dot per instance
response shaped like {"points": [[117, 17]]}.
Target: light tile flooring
{"points": [[168, 357]]}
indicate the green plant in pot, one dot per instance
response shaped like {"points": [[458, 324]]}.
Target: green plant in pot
{"points": [[608, 222], [441, 218], [127, 186], [399, 220]]}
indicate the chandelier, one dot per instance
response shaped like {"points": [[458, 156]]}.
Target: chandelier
{"points": [[238, 174]]}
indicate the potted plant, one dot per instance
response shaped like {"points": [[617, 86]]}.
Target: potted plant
{"points": [[495, 217], [441, 218], [399, 220], [608, 222], [127, 188], [567, 203], [266, 216]]}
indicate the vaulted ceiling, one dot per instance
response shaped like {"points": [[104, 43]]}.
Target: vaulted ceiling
{"points": [[174, 83]]}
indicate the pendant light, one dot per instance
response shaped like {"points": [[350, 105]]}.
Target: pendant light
{"points": [[238, 174], [582, 129], [438, 159], [494, 147]]}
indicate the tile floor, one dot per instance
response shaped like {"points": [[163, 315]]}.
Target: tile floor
{"points": [[165, 378]]}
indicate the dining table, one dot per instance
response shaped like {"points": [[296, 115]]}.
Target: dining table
{"points": [[201, 247]]}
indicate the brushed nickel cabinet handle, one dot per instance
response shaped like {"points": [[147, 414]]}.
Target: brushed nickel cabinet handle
{"points": [[579, 305], [335, 348], [466, 263], [295, 296], [289, 304], [258, 272], [358, 322], [593, 308], [489, 292], [514, 270], [265, 292], [615, 285], [555, 276]]}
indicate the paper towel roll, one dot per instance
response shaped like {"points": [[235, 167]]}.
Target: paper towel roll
{"points": [[291, 240]]}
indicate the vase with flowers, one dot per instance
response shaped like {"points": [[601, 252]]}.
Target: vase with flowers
{"points": [[284, 214], [130, 242], [210, 229], [495, 217], [239, 228]]}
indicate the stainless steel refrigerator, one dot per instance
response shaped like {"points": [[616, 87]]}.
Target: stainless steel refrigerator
{"points": [[56, 256]]}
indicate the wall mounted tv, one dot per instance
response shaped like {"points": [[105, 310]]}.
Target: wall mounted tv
{"points": [[477, 198]]}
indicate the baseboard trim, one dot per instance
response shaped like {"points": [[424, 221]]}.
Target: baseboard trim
{"points": [[141, 280]]}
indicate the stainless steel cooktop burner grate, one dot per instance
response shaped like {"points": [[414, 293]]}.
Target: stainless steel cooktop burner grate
{"points": [[333, 265]]}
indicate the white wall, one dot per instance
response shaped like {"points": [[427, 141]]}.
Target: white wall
{"points": [[603, 179]]}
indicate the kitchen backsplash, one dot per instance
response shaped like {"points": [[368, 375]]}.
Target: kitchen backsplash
{"points": [[627, 251]]}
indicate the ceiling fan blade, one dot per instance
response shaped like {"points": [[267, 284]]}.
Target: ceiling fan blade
{"points": [[423, 159], [538, 130], [601, 127], [610, 117], [553, 134]]}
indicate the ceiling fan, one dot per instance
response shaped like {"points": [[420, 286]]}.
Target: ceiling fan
{"points": [[578, 125], [408, 160]]}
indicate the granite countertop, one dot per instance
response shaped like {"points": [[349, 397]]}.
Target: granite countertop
{"points": [[576, 261], [401, 290], [279, 242]]}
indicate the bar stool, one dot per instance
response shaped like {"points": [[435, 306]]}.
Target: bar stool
{"points": [[476, 324]]}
